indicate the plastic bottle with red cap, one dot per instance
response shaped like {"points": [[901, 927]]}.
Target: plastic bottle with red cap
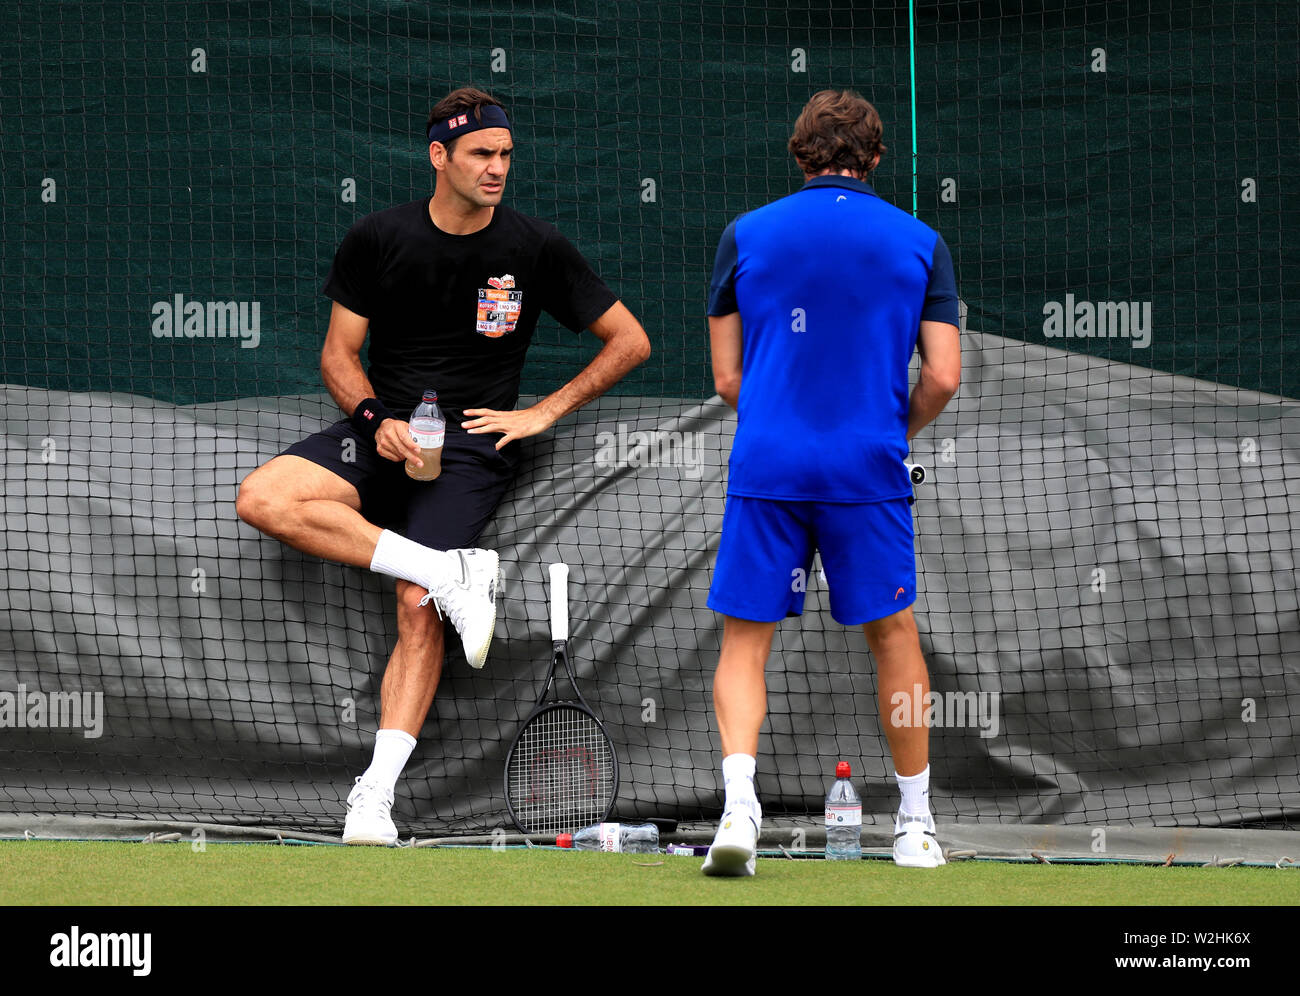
{"points": [[620, 837], [843, 818]]}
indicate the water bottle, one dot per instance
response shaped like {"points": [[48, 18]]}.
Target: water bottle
{"points": [[621, 837], [843, 818], [428, 429]]}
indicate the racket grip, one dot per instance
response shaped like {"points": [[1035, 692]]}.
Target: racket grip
{"points": [[559, 603]]}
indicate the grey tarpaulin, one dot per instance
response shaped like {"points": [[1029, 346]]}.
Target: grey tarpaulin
{"points": [[1114, 579]]}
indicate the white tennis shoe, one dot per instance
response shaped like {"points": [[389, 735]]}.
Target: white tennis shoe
{"points": [[370, 818], [735, 846], [467, 596], [915, 845]]}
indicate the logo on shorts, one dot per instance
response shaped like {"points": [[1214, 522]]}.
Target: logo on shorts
{"points": [[499, 305], [897, 593]]}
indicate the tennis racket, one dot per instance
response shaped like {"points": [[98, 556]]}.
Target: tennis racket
{"points": [[561, 773], [916, 472]]}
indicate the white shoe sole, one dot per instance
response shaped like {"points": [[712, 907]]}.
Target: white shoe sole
{"points": [[371, 838], [729, 861], [906, 863], [371, 841], [480, 659], [733, 852]]}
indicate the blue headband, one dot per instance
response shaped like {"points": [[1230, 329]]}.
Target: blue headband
{"points": [[490, 116]]}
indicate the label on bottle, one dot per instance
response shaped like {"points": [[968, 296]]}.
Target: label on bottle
{"points": [[843, 815], [690, 850], [609, 837], [428, 434]]}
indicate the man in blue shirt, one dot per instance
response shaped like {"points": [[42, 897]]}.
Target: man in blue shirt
{"points": [[816, 304]]}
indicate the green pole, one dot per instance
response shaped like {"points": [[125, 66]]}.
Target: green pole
{"points": [[911, 54]]}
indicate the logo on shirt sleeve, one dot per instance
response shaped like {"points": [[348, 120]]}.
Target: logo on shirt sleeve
{"points": [[499, 305]]}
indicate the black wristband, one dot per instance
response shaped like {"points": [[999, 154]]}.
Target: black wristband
{"points": [[369, 416]]}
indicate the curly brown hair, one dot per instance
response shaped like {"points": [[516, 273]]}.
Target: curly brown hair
{"points": [[837, 130], [467, 98]]}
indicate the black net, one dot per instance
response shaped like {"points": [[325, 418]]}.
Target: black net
{"points": [[1106, 545]]}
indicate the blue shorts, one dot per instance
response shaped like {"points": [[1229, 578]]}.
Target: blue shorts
{"points": [[447, 513], [766, 554]]}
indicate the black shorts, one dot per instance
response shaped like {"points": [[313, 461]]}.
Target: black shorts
{"points": [[447, 513]]}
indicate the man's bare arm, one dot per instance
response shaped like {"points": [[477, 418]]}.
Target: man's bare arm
{"points": [[340, 359], [625, 346], [940, 347], [726, 342], [346, 380]]}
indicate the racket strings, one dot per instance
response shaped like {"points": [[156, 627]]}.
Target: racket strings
{"points": [[561, 774]]}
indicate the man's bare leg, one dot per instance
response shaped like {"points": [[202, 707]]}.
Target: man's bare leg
{"points": [[414, 670], [308, 508], [901, 670], [740, 702], [314, 510], [739, 685], [896, 645], [318, 512], [410, 681]]}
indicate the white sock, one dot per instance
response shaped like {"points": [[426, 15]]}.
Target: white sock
{"points": [[392, 751], [399, 557], [916, 792], [738, 777]]}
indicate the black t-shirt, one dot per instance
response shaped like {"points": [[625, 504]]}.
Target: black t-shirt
{"points": [[456, 313]]}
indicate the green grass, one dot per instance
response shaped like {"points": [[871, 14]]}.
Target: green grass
{"points": [[113, 873]]}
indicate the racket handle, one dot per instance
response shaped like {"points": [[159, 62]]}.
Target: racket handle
{"points": [[559, 603]]}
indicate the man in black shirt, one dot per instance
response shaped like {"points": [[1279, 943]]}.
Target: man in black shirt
{"points": [[449, 289]]}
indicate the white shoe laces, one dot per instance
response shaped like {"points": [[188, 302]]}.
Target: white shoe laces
{"points": [[445, 590], [368, 792]]}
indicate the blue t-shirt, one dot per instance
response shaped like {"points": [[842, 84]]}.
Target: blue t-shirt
{"points": [[831, 284]]}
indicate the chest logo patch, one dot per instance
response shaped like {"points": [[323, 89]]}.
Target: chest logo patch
{"points": [[499, 305]]}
